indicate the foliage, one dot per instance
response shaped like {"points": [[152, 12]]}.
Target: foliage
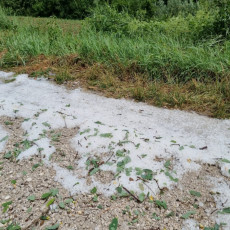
{"points": [[78, 9], [222, 23], [5, 23]]}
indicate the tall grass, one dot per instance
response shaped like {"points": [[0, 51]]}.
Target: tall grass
{"points": [[5, 23], [119, 40], [159, 55], [30, 41]]}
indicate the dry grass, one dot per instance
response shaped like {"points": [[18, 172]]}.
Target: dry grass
{"points": [[208, 98]]}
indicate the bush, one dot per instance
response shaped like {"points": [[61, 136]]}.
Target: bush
{"points": [[79, 9], [108, 19], [141, 10], [222, 23], [197, 27]]}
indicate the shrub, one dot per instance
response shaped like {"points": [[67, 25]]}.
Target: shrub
{"points": [[79, 9], [107, 19], [222, 23], [196, 27]]}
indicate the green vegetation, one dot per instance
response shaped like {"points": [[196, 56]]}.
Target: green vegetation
{"points": [[175, 54]]}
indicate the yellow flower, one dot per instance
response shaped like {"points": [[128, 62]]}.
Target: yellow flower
{"points": [[189, 160], [151, 198]]}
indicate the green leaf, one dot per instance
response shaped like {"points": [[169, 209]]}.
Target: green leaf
{"points": [[119, 189], [100, 206], [181, 148], [70, 167], [125, 161], [85, 131], [99, 123], [13, 227], [4, 221], [136, 212], [170, 214], [50, 202], [161, 204], [155, 216], [188, 214], [44, 218], [147, 174], [46, 124], [8, 123], [13, 182], [113, 197], [95, 170], [133, 221], [141, 186], [4, 139], [94, 190], [54, 191], [35, 166], [128, 171], [196, 206], [95, 198], [31, 198], [68, 201], [167, 164], [62, 205], [194, 193], [7, 204], [106, 135], [120, 153], [53, 227], [138, 171], [46, 195], [8, 155], [27, 144], [216, 227], [141, 197], [171, 177], [226, 210], [113, 225], [173, 141], [225, 160]]}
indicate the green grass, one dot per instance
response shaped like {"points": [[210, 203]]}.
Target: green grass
{"points": [[160, 56], [157, 54], [141, 60]]}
